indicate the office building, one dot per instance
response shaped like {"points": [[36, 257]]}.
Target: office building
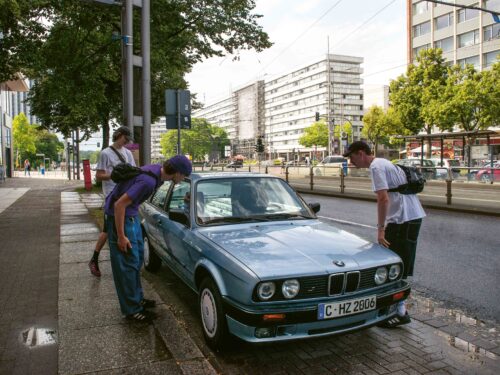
{"points": [[376, 95], [466, 36], [279, 109]]}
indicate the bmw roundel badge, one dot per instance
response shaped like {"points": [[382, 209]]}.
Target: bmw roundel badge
{"points": [[339, 263]]}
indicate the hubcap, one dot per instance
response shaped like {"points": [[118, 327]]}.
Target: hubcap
{"points": [[146, 251], [208, 312]]}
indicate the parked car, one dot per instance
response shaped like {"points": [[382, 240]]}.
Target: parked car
{"points": [[486, 174], [427, 168], [234, 164], [448, 165], [263, 266], [330, 166]]}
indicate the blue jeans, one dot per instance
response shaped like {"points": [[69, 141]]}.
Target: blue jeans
{"points": [[403, 241], [127, 266]]}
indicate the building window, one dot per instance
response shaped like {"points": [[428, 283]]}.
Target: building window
{"points": [[468, 39], [473, 60], [445, 44], [491, 32], [492, 4], [467, 14], [421, 7], [443, 21], [422, 29], [417, 50], [490, 58]]}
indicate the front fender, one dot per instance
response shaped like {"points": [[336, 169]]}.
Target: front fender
{"points": [[203, 268]]}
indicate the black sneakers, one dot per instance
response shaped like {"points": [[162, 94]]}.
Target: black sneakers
{"points": [[142, 317]]}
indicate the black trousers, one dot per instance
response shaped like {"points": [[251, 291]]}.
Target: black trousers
{"points": [[402, 240]]}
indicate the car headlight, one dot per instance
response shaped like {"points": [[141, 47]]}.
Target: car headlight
{"points": [[394, 271], [266, 290], [380, 275], [290, 288]]}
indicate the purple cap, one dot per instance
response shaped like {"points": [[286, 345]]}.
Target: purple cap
{"points": [[181, 164]]}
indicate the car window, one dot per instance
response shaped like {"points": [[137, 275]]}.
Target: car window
{"points": [[454, 163], [428, 163], [246, 199], [181, 196], [160, 196]]}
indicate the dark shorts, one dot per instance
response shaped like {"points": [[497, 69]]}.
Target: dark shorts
{"points": [[403, 241]]}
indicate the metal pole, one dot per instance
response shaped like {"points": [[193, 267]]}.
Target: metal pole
{"points": [[178, 122], [73, 164], [328, 107], [146, 83], [129, 76], [68, 160], [78, 153]]}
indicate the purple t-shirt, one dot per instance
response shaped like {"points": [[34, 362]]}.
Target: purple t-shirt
{"points": [[138, 189]]}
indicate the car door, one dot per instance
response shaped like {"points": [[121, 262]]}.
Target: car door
{"points": [[155, 216], [177, 230]]}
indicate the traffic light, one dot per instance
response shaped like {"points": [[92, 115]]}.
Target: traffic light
{"points": [[317, 116]]}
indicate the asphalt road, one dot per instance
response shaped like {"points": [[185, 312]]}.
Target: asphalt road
{"points": [[458, 255]]}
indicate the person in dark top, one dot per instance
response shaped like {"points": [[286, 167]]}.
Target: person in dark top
{"points": [[125, 234]]}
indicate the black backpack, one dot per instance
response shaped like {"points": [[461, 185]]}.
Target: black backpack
{"points": [[124, 172], [415, 181]]}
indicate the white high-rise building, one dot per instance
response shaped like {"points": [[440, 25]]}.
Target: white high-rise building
{"points": [[466, 36], [281, 108]]}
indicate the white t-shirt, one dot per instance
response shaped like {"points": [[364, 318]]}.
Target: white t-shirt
{"points": [[107, 160], [402, 207]]}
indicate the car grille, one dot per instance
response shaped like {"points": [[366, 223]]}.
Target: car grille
{"points": [[339, 283]]}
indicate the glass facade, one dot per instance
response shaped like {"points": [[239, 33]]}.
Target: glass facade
{"points": [[468, 39], [491, 32], [443, 21], [445, 44], [467, 14], [473, 60], [490, 58], [422, 29]]}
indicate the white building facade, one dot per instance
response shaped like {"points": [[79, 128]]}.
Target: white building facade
{"points": [[466, 36], [281, 108]]}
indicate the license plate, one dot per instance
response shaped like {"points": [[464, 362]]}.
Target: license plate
{"points": [[349, 307]]}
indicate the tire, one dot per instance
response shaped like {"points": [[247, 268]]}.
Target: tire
{"points": [[485, 177], [213, 317], [152, 262], [317, 172]]}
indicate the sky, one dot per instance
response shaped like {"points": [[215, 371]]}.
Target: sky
{"points": [[300, 29]]}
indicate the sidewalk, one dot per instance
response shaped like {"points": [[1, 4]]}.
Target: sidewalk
{"points": [[93, 335]]}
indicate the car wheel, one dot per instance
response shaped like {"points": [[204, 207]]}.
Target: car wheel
{"points": [[485, 177], [317, 172], [152, 262], [212, 314]]}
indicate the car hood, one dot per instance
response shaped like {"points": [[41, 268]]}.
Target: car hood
{"points": [[297, 248]]}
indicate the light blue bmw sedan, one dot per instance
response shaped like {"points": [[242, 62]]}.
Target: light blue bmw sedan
{"points": [[263, 266]]}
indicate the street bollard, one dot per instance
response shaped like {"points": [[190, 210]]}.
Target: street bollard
{"points": [[222, 168], [202, 167], [311, 178], [267, 170], [342, 176], [448, 191], [249, 168], [286, 174]]}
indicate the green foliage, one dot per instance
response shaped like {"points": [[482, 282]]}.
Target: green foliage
{"points": [[24, 138], [67, 47], [92, 156], [48, 144], [346, 128], [315, 135], [203, 139], [416, 95]]}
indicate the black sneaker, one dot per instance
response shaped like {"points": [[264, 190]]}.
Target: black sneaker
{"points": [[142, 317], [94, 268], [395, 321], [148, 303]]}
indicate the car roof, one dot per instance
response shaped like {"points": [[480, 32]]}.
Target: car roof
{"points": [[217, 175]]}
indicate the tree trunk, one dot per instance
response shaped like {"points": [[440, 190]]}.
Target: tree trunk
{"points": [[105, 133], [375, 150], [428, 153]]}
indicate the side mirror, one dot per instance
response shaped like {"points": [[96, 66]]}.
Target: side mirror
{"points": [[315, 207]]}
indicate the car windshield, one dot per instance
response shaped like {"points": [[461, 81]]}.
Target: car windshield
{"points": [[247, 199]]}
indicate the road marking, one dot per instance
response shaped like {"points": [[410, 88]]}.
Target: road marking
{"points": [[347, 222]]}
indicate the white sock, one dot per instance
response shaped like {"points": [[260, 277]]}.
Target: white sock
{"points": [[402, 308]]}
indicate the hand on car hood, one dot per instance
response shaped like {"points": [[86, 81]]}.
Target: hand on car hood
{"points": [[297, 248]]}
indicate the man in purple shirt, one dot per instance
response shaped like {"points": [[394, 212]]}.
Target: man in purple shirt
{"points": [[125, 234]]}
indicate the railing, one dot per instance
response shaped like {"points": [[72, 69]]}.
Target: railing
{"points": [[458, 185]]}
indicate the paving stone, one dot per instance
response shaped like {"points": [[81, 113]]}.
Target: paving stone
{"points": [[436, 323]]}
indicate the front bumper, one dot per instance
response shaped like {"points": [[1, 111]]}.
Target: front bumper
{"points": [[302, 322]]}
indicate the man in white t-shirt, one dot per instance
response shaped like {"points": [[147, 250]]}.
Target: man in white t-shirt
{"points": [[108, 158], [399, 215]]}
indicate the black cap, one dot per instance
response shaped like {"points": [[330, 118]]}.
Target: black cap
{"points": [[356, 146], [122, 130]]}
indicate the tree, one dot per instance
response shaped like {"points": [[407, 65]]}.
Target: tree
{"points": [[77, 65], [203, 139], [24, 138], [417, 95], [48, 144], [380, 127], [472, 100], [315, 135]]}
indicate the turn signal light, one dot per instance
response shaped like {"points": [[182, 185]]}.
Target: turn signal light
{"points": [[398, 296], [273, 317]]}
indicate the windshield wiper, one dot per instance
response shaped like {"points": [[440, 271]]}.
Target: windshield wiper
{"points": [[235, 219], [285, 215]]}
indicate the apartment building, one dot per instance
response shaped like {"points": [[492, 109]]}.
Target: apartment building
{"points": [[466, 36], [376, 95], [281, 108]]}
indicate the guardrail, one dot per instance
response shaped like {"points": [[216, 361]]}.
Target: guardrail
{"points": [[442, 187]]}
